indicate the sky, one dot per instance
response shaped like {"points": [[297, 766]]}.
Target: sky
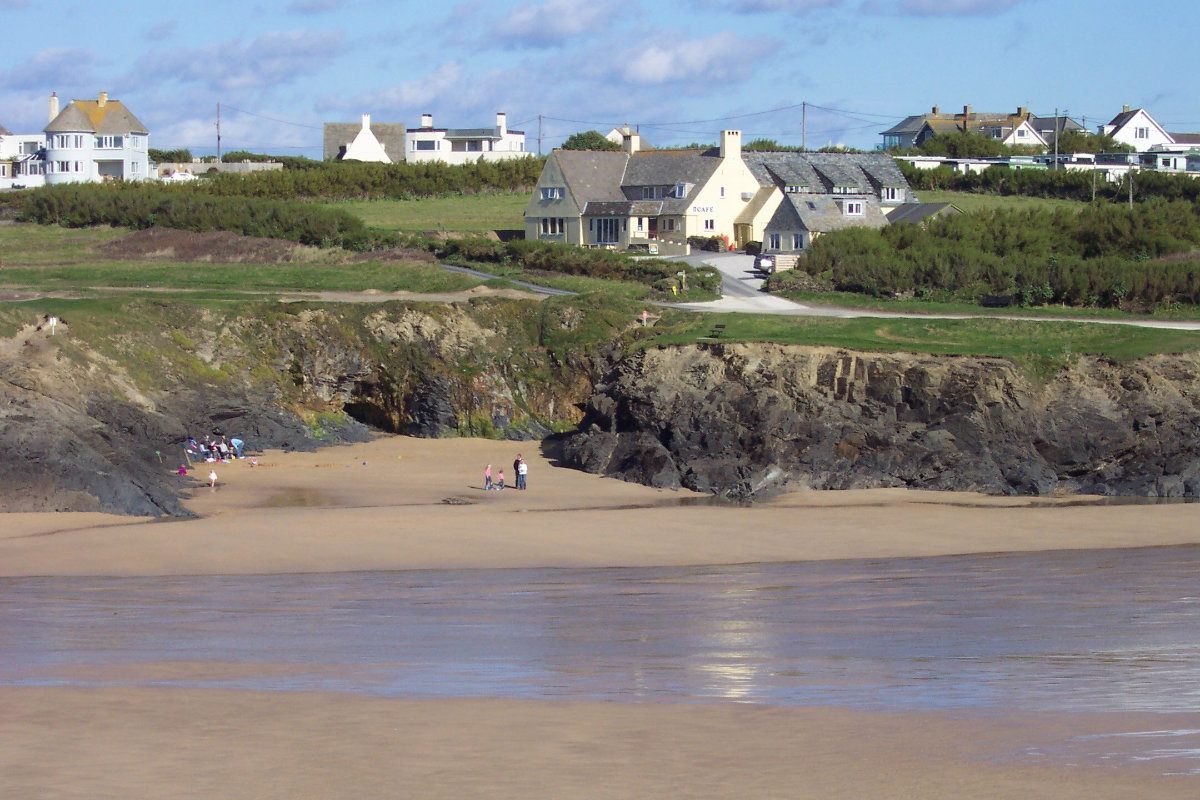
{"points": [[816, 72]]}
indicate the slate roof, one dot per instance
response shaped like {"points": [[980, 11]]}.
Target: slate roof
{"points": [[916, 213], [1186, 138], [1044, 125], [593, 175], [623, 208], [911, 124], [113, 119], [822, 171], [1124, 117], [669, 167], [821, 213]]}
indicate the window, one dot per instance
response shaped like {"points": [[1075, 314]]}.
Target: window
{"points": [[608, 230], [3, 170], [722, 191], [1141, 133], [425, 144], [773, 241], [852, 208], [670, 224], [681, 189], [797, 241], [134, 167], [79, 166], [892, 193], [795, 188], [1021, 133], [552, 193], [710, 225], [648, 193], [62, 140], [29, 148], [553, 226], [641, 224]]}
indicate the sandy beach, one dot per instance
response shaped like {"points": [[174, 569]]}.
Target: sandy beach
{"points": [[399, 503]]}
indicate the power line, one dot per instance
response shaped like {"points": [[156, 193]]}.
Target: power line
{"points": [[273, 119]]}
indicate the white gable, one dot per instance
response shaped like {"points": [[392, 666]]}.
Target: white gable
{"points": [[365, 146]]}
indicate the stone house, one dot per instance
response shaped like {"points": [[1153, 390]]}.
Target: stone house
{"points": [[655, 200]]}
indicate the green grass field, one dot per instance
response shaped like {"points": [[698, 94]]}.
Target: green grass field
{"points": [[456, 213], [968, 202]]}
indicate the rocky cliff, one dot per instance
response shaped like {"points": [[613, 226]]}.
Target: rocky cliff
{"points": [[93, 417], [748, 419]]}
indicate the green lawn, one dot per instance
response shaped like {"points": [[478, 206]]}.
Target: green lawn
{"points": [[968, 202], [25, 244], [1038, 346], [457, 213]]}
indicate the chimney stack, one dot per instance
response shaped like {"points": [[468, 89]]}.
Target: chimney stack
{"points": [[502, 122], [967, 111], [53, 105], [366, 122], [936, 111], [1124, 109], [1022, 111], [731, 144], [427, 120], [102, 100]]}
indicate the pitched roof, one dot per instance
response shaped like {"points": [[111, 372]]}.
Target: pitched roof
{"points": [[1124, 117], [592, 175], [823, 171], [5, 131], [911, 124], [823, 213], [1045, 125], [111, 118], [1186, 138]]}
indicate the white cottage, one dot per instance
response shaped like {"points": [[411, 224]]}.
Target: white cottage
{"points": [[95, 140]]}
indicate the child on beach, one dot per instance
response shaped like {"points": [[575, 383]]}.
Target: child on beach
{"points": [[487, 478], [499, 485], [212, 479]]}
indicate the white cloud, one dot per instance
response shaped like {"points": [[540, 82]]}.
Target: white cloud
{"points": [[552, 22], [46, 69], [766, 6], [955, 8], [315, 6], [270, 60], [720, 58], [413, 96]]}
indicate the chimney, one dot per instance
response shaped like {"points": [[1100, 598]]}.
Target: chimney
{"points": [[502, 122], [102, 100], [631, 142], [366, 122], [427, 120], [731, 144], [1022, 111], [53, 105], [967, 111], [936, 111], [1124, 109]]}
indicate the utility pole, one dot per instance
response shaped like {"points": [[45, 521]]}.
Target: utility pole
{"points": [[218, 133], [1131, 188], [539, 135], [804, 126], [1056, 138]]}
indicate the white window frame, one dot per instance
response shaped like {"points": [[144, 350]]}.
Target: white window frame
{"points": [[852, 208], [797, 241], [1141, 133], [774, 241], [553, 226], [552, 192], [891, 193]]}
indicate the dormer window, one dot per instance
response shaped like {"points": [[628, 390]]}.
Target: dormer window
{"points": [[892, 193], [852, 208], [795, 188], [552, 193], [681, 189]]}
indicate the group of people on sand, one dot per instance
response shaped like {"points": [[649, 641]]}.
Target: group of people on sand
{"points": [[496, 483], [212, 449]]}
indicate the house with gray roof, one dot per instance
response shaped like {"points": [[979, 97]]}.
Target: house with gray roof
{"points": [[95, 140], [1020, 128], [655, 200]]}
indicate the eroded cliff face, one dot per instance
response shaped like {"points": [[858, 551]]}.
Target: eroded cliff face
{"points": [[749, 419], [93, 418]]}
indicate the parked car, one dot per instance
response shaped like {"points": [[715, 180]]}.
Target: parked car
{"points": [[765, 263]]}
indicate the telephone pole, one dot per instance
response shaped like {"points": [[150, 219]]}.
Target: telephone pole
{"points": [[804, 126], [1056, 138], [218, 133], [539, 135]]}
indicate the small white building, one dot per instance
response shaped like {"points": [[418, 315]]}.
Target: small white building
{"points": [[1137, 129], [365, 146], [21, 159], [463, 145], [91, 141]]}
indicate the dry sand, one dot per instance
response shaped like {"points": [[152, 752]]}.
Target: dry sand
{"points": [[381, 506]]}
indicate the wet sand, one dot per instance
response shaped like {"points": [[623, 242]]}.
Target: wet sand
{"points": [[382, 506], [401, 503]]}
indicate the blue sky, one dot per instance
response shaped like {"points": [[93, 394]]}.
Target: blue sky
{"points": [[681, 71]]}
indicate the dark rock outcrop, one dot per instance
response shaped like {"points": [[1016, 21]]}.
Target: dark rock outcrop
{"points": [[744, 420]]}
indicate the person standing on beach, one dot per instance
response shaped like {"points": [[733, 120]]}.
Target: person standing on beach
{"points": [[212, 479], [522, 472], [487, 478]]}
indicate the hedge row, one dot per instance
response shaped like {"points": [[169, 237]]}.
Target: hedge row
{"points": [[1060, 184], [1103, 255]]}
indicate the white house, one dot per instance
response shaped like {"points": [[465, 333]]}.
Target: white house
{"points": [[95, 140], [20, 159], [463, 145], [1137, 129]]}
